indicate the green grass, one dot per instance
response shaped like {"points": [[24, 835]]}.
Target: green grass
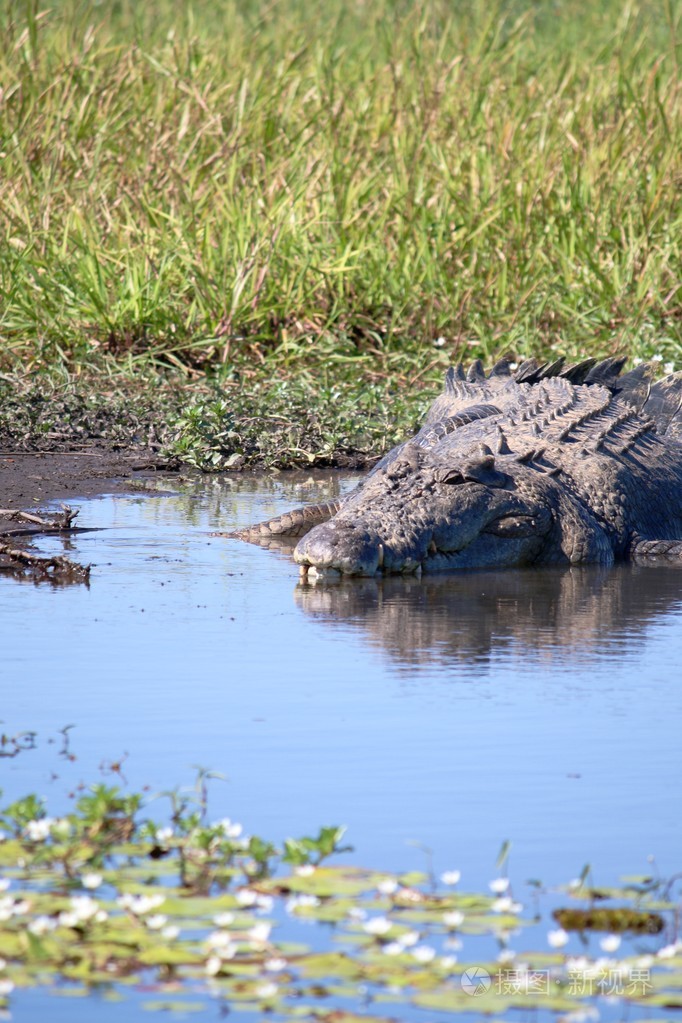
{"points": [[263, 189]]}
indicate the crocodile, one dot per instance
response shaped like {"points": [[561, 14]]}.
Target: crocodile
{"points": [[528, 465]]}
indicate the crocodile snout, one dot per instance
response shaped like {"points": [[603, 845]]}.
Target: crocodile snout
{"points": [[341, 546]]}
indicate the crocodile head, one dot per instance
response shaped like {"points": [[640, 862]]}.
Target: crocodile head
{"points": [[420, 513]]}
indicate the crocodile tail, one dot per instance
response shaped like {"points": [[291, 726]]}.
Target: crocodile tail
{"points": [[647, 551], [293, 524]]}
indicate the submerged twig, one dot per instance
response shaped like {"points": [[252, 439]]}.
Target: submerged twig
{"points": [[24, 563]]}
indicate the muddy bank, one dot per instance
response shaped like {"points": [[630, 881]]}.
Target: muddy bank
{"points": [[32, 479]]}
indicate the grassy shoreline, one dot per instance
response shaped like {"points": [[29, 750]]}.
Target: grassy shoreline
{"points": [[257, 194]]}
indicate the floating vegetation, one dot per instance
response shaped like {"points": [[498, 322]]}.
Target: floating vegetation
{"points": [[617, 921], [105, 898]]}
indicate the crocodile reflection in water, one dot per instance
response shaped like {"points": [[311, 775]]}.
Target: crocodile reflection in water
{"points": [[544, 614]]}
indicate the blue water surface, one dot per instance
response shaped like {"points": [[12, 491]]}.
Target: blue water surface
{"points": [[447, 714]]}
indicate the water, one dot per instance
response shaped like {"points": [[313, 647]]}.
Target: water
{"points": [[453, 712], [436, 718]]}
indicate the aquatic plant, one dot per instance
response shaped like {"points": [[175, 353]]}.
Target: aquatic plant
{"points": [[105, 896]]}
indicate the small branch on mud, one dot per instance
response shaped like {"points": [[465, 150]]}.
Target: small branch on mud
{"points": [[24, 563], [57, 524]]}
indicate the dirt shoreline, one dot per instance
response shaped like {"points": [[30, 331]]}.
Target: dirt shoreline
{"points": [[30, 480]]}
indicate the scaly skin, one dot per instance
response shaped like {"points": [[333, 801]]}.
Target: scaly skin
{"points": [[549, 466]]}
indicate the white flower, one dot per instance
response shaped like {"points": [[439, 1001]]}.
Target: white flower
{"points": [[438, 342], [451, 876], [223, 919], [68, 918], [513, 366], [91, 880], [230, 828], [578, 964], [357, 913], [453, 919], [448, 962], [41, 925], [503, 905], [590, 1015], [377, 925], [39, 830], [275, 965], [6, 987], [246, 897], [657, 358], [3, 964], [171, 932], [163, 835], [637, 362], [297, 902], [668, 951], [213, 966], [610, 943], [411, 895], [389, 886], [393, 948], [4, 884], [140, 904], [408, 938], [264, 903], [669, 367], [156, 922], [604, 965], [100, 916], [507, 955], [499, 885], [558, 938], [305, 870], [259, 933], [84, 906], [219, 940], [267, 990], [423, 953]]}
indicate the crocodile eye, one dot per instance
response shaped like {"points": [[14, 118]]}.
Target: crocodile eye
{"points": [[513, 526], [453, 478]]}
